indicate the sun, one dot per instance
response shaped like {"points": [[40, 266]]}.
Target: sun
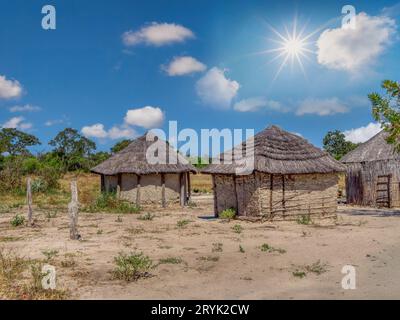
{"points": [[292, 47]]}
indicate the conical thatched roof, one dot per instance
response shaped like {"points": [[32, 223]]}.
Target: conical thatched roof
{"points": [[133, 159], [374, 149], [279, 152]]}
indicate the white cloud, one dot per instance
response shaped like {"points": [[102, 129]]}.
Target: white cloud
{"points": [[9, 89], [98, 131], [50, 123], [216, 90], [321, 107], [147, 117], [362, 134], [17, 123], [180, 66], [25, 108], [257, 104], [157, 34], [355, 49]]}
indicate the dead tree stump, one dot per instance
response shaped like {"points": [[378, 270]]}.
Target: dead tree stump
{"points": [[73, 211], [29, 201]]}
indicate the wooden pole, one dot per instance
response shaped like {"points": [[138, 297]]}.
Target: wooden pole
{"points": [[189, 187], [138, 191], [163, 200], [73, 210], [215, 197], [29, 201], [182, 189]]}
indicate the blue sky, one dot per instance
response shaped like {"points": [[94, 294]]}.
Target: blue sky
{"points": [[114, 69]]}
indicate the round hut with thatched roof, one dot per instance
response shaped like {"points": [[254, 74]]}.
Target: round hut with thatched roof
{"points": [[138, 176], [373, 173], [291, 179]]}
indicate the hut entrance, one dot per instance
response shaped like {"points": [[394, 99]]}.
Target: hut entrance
{"points": [[383, 191]]}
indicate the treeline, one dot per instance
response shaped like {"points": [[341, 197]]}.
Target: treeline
{"points": [[70, 151]]}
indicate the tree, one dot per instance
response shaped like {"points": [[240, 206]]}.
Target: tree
{"points": [[16, 142], [99, 157], [120, 146], [336, 145], [73, 149], [386, 110]]}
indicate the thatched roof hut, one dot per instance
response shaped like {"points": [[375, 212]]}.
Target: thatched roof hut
{"points": [[290, 178], [373, 173], [137, 178]]}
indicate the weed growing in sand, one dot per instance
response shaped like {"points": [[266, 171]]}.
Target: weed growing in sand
{"points": [[170, 260], [191, 204], [109, 202], [228, 214], [299, 274], [267, 248], [241, 250], [99, 231], [69, 262], [316, 268], [132, 267], [119, 219], [182, 223], [133, 230], [11, 265], [217, 247], [304, 219], [9, 238], [237, 228], [17, 221], [208, 258], [146, 217], [50, 215], [50, 254]]}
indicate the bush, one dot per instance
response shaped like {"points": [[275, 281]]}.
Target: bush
{"points": [[228, 214], [31, 165], [132, 267], [304, 219], [108, 202], [146, 217], [237, 228], [17, 220]]}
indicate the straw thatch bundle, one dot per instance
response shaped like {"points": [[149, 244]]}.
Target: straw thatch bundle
{"points": [[279, 152], [133, 159]]}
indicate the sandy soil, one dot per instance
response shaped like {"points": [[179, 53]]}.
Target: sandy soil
{"points": [[365, 238]]}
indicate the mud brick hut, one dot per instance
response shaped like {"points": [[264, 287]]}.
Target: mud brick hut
{"points": [[373, 174], [135, 179], [291, 179]]}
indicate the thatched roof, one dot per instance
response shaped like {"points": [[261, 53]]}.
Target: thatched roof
{"points": [[374, 149], [279, 152], [133, 159]]}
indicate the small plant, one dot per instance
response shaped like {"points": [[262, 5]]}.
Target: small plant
{"points": [[170, 260], [208, 258], [99, 231], [119, 219], [299, 274], [18, 220], [237, 228], [132, 267], [146, 217], [241, 250], [192, 204], [11, 265], [317, 267], [267, 248], [182, 223], [50, 254], [50, 215], [217, 247], [228, 214], [109, 202], [68, 262], [304, 219]]}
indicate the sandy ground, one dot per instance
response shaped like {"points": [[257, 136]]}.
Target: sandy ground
{"points": [[365, 238]]}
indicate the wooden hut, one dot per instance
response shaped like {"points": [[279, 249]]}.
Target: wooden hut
{"points": [[291, 179], [130, 174], [373, 173]]}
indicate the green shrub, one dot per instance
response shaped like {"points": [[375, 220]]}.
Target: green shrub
{"points": [[237, 228], [18, 220], [30, 165], [108, 202], [267, 248], [146, 217], [132, 267], [228, 214], [182, 223], [304, 219], [170, 260]]}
